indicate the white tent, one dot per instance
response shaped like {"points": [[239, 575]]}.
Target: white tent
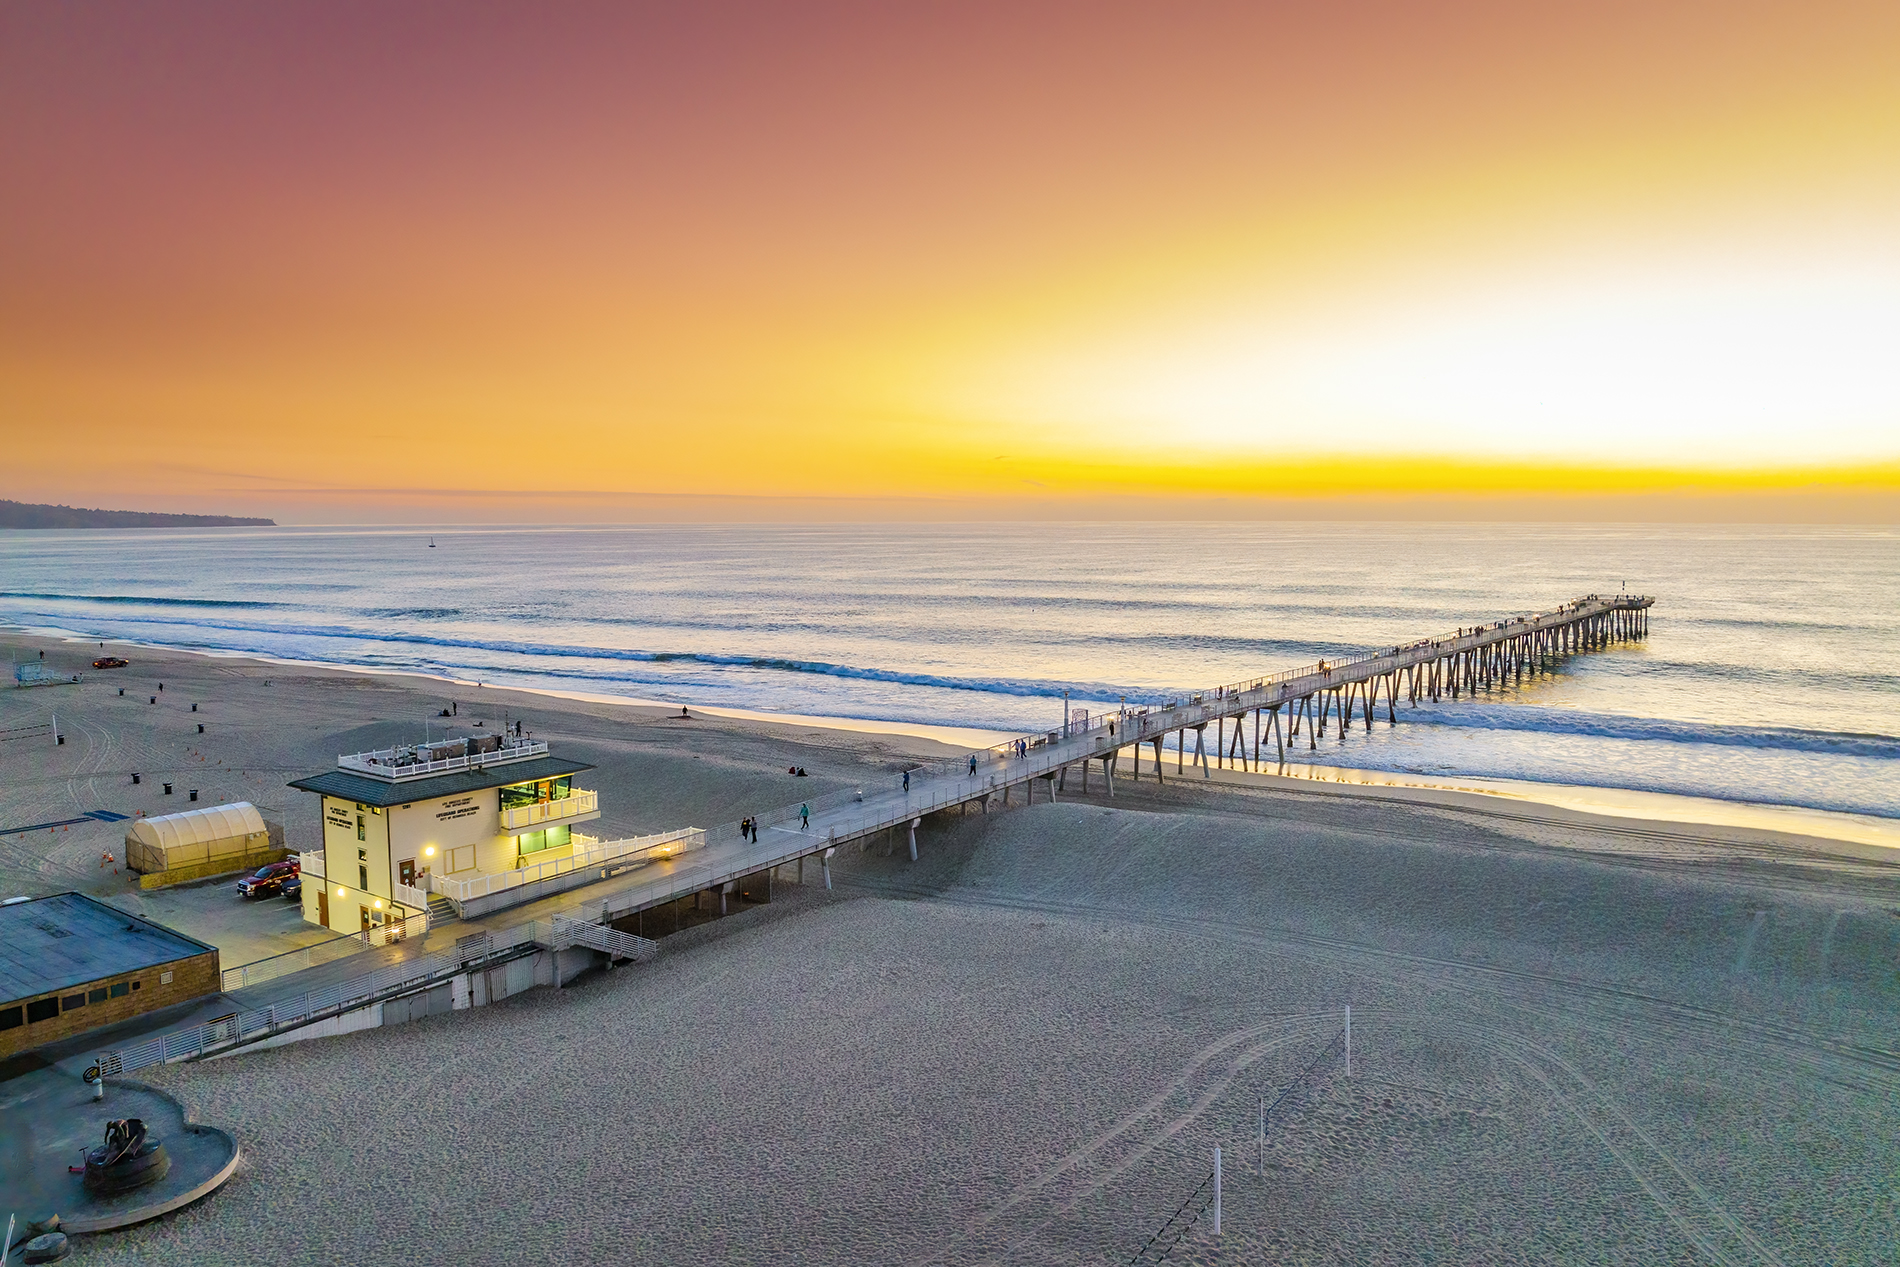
{"points": [[213, 834]]}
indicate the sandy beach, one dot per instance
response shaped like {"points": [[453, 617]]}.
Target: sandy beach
{"points": [[1575, 1038]]}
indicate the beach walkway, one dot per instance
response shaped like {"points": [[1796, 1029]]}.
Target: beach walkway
{"points": [[1283, 708], [712, 864]]}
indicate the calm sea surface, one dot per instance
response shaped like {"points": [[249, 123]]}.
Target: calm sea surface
{"points": [[1771, 674]]}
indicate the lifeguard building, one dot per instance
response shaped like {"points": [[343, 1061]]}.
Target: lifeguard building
{"points": [[460, 808]]}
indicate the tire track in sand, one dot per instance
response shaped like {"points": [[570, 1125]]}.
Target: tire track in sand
{"points": [[1059, 1187]]}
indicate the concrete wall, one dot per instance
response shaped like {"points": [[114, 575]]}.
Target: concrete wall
{"points": [[476, 988], [190, 978]]}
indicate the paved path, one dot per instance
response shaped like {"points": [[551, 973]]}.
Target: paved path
{"points": [[1015, 768], [1019, 767]]}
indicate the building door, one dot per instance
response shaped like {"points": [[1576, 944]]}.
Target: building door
{"points": [[408, 866], [364, 912], [323, 907]]}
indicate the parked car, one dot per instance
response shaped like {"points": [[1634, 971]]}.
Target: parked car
{"points": [[293, 889], [268, 880], [109, 662]]}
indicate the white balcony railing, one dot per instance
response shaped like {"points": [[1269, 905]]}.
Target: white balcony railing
{"points": [[310, 864], [599, 855], [529, 817], [414, 899], [398, 765]]}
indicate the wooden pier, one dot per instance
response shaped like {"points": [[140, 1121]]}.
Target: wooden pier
{"points": [[1255, 723]]}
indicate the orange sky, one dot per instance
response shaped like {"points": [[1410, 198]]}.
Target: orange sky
{"points": [[332, 261]]}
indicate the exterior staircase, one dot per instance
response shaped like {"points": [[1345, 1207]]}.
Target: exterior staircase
{"points": [[441, 911]]}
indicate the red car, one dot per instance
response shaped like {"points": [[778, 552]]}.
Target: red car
{"points": [[268, 880]]}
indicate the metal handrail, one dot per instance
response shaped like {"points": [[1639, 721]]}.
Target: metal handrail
{"points": [[359, 991], [1326, 671], [342, 946]]}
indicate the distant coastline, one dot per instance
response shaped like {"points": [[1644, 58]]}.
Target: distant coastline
{"points": [[32, 515]]}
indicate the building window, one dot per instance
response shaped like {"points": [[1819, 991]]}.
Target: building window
{"points": [[42, 1009], [361, 834], [10, 1018], [72, 1002], [120, 989], [535, 793], [536, 841], [362, 878], [164, 978], [96, 996]]}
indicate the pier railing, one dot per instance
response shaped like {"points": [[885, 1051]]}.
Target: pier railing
{"points": [[253, 1024], [339, 947], [1223, 701], [605, 855]]}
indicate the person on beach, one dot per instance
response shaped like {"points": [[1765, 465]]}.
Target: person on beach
{"points": [[804, 816]]}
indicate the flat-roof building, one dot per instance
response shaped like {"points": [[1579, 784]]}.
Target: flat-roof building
{"points": [[461, 808], [70, 963]]}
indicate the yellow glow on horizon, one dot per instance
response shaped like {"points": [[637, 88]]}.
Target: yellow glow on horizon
{"points": [[1692, 364], [1465, 250]]}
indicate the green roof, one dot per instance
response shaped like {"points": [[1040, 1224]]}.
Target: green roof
{"points": [[381, 793]]}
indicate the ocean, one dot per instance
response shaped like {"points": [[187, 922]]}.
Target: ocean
{"points": [[1770, 675]]}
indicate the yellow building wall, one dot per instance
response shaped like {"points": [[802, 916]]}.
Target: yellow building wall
{"points": [[461, 829], [464, 832], [346, 859]]}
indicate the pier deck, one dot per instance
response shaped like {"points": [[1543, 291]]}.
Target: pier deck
{"points": [[1282, 705]]}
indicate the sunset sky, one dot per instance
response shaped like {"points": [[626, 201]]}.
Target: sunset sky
{"points": [[451, 262]]}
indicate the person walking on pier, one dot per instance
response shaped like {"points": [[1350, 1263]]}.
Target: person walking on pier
{"points": [[907, 783], [804, 816], [973, 765]]}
